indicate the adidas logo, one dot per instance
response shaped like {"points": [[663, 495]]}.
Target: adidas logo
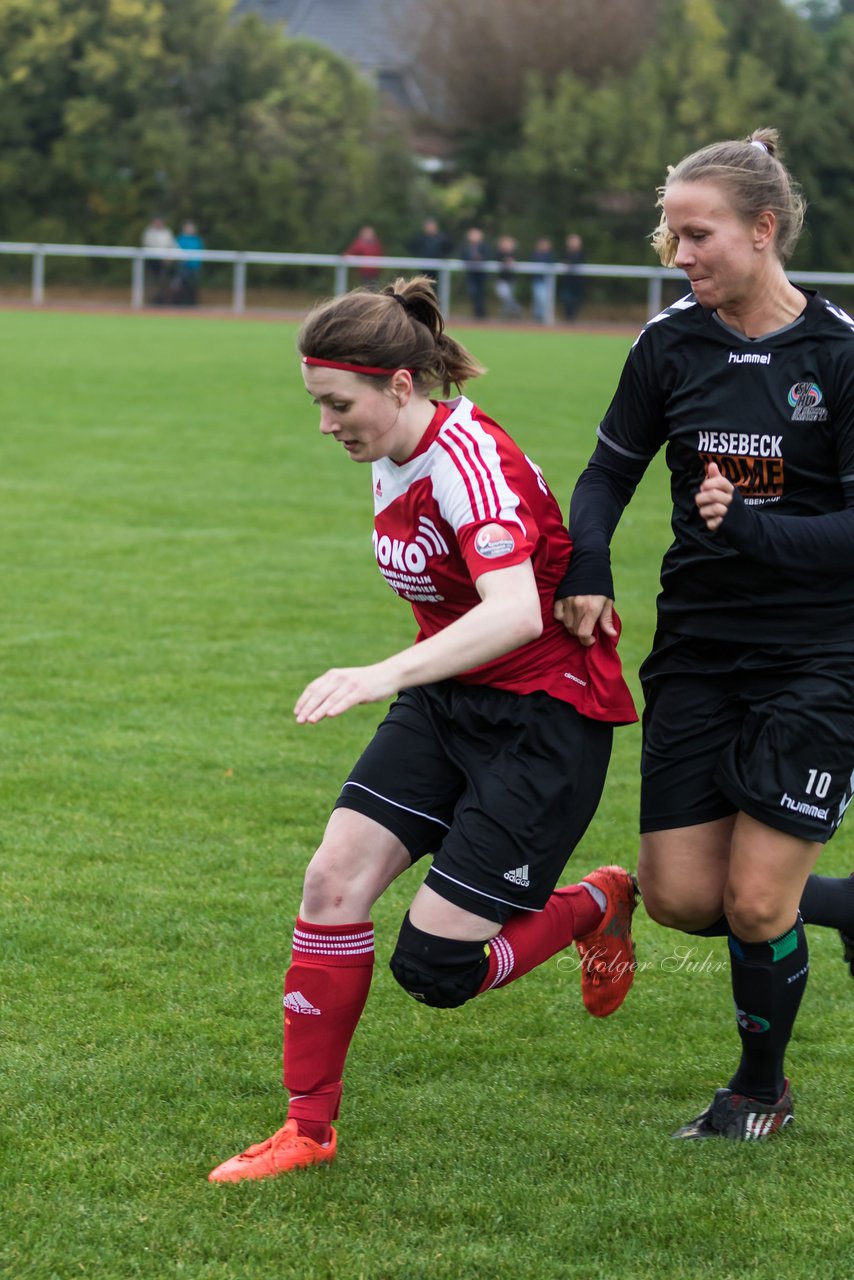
{"points": [[519, 876], [759, 1124], [297, 1003]]}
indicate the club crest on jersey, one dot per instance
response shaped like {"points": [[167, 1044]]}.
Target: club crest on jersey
{"points": [[805, 399], [494, 541]]}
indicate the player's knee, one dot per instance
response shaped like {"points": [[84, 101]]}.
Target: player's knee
{"points": [[672, 915], [324, 883], [441, 972], [758, 915], [675, 910]]}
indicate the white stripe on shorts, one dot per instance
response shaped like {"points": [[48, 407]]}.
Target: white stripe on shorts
{"points": [[395, 805]]}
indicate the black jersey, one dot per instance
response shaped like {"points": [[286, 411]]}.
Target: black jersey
{"points": [[777, 416]]}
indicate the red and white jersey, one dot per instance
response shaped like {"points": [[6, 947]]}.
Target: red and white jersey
{"points": [[467, 502]]}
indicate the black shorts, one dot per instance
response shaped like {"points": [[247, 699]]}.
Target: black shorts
{"points": [[768, 731], [499, 786]]}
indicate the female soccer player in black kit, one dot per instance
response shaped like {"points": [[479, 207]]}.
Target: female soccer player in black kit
{"points": [[748, 746], [494, 752]]}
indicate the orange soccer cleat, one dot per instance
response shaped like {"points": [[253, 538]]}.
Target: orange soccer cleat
{"points": [[608, 953], [286, 1150]]}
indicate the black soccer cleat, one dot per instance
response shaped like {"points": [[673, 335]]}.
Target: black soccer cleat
{"points": [[848, 945], [732, 1115], [847, 951]]}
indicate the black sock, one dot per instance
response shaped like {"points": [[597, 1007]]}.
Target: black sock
{"points": [[829, 901], [768, 980]]}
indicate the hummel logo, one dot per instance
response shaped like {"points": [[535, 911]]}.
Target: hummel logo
{"points": [[379, 489], [297, 1003], [519, 876]]}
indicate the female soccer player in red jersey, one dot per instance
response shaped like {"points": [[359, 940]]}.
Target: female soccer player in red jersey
{"points": [[748, 750], [493, 754]]}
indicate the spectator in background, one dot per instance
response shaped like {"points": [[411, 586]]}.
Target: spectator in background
{"points": [[505, 283], [157, 235], [543, 252], [430, 242], [186, 279], [366, 244], [476, 253], [572, 285]]}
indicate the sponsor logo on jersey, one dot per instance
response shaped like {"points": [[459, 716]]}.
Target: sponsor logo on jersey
{"points": [[805, 399], [741, 444], [493, 541], [749, 357], [750, 461], [412, 556]]}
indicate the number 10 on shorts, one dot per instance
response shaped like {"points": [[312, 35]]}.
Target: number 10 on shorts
{"points": [[818, 784]]}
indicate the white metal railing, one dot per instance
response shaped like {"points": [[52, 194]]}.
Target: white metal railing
{"points": [[340, 266]]}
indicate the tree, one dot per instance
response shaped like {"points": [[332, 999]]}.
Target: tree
{"points": [[823, 14], [111, 110], [601, 152], [479, 54], [590, 155], [825, 165]]}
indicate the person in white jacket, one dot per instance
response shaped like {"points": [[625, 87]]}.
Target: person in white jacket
{"points": [[157, 235]]}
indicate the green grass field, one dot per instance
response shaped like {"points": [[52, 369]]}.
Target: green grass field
{"points": [[181, 552]]}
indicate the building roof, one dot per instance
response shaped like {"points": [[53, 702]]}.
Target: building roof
{"points": [[366, 32]]}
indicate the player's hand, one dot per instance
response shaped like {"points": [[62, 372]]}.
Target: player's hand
{"points": [[581, 615], [341, 688], [714, 497]]}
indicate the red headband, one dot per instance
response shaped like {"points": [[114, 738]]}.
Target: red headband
{"points": [[369, 370]]}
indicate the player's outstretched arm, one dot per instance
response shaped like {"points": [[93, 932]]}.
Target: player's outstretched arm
{"points": [[508, 616]]}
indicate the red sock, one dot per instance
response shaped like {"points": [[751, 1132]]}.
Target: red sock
{"points": [[532, 937], [326, 987]]}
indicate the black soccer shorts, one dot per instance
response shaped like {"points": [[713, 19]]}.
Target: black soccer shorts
{"points": [[499, 786], [768, 731]]}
